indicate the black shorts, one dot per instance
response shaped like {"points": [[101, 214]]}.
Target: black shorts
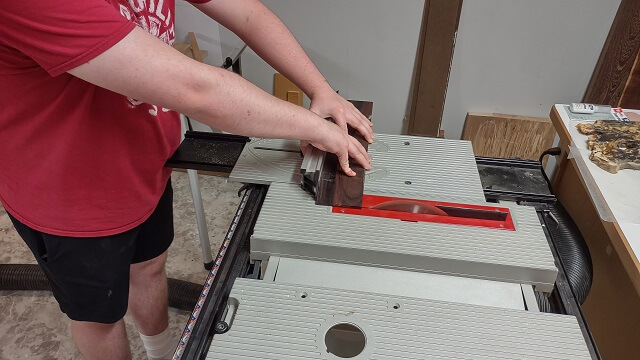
{"points": [[90, 276]]}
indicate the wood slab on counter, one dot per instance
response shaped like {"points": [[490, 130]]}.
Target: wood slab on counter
{"points": [[614, 145]]}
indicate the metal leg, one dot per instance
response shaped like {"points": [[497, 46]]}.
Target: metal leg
{"points": [[236, 67], [203, 232], [201, 221]]}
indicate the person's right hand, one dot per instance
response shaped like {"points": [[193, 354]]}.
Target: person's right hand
{"points": [[331, 138]]}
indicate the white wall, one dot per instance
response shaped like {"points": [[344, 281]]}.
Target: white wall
{"points": [[522, 56], [365, 48], [190, 19], [211, 36], [511, 56]]}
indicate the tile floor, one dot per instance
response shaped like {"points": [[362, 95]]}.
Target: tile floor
{"points": [[31, 324]]}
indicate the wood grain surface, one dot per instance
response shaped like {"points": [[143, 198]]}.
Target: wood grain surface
{"points": [[335, 188], [631, 95], [618, 55], [508, 136], [431, 78]]}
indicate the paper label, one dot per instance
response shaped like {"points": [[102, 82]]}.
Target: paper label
{"points": [[618, 114]]}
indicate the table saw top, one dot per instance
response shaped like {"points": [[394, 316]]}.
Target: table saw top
{"points": [[291, 225]]}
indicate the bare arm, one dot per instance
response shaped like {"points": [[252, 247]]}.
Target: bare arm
{"points": [[143, 67], [263, 31]]}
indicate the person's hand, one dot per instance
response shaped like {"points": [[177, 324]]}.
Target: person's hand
{"points": [[329, 103], [304, 146], [331, 138]]}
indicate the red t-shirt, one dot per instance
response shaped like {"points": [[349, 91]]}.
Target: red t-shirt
{"points": [[76, 159]]}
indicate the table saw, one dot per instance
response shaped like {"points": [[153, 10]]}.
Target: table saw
{"points": [[297, 280]]}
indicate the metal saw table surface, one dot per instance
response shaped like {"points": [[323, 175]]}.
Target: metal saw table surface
{"points": [[403, 166]]}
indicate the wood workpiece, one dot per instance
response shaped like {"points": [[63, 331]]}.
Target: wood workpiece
{"points": [[335, 188]]}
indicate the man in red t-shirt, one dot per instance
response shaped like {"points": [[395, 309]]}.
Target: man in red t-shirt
{"points": [[85, 129]]}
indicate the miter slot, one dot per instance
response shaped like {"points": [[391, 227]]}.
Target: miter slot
{"points": [[276, 149]]}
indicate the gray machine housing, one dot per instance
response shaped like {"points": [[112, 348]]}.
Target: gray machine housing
{"points": [[291, 225], [410, 290]]}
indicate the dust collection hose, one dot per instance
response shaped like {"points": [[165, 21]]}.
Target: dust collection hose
{"points": [[183, 295], [569, 243], [572, 250]]}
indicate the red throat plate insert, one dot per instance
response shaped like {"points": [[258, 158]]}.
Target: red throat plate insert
{"points": [[415, 210]]}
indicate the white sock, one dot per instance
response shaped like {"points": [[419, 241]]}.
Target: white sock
{"points": [[159, 347]]}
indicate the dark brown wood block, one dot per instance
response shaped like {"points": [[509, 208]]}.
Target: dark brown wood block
{"points": [[335, 188], [365, 107]]}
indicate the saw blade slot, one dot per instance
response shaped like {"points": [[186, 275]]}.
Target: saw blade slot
{"points": [[415, 210]]}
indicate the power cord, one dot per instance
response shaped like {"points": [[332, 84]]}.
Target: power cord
{"points": [[555, 151]]}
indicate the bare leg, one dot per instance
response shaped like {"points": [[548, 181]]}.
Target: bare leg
{"points": [[98, 341], [148, 295]]}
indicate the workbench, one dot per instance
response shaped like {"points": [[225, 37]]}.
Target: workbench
{"points": [[605, 208]]}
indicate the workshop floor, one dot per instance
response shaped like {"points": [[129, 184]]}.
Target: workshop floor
{"points": [[31, 324]]}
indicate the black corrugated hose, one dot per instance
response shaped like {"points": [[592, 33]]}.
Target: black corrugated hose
{"points": [[183, 295], [572, 249], [569, 243], [543, 302]]}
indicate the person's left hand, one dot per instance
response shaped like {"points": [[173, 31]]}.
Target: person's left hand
{"points": [[329, 103]]}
